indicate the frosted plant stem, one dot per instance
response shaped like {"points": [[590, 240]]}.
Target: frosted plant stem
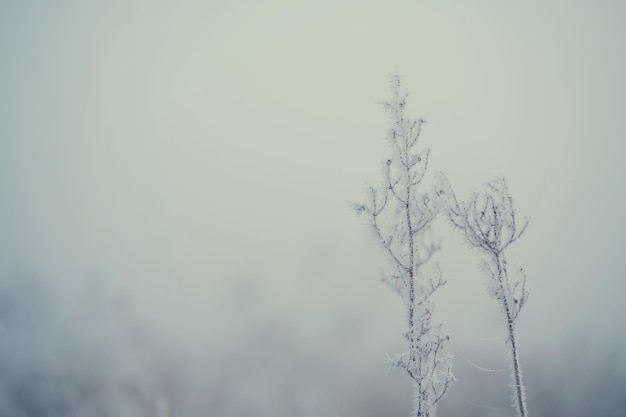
{"points": [[399, 213], [515, 363], [488, 222]]}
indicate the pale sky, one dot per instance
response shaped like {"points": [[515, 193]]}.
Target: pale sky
{"points": [[200, 155]]}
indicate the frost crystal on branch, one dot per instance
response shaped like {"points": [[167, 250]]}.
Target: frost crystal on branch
{"points": [[489, 223], [399, 214]]}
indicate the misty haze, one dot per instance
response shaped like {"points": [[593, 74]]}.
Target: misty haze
{"points": [[176, 237]]}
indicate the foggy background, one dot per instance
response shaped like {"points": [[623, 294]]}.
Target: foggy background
{"points": [[175, 237]]}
